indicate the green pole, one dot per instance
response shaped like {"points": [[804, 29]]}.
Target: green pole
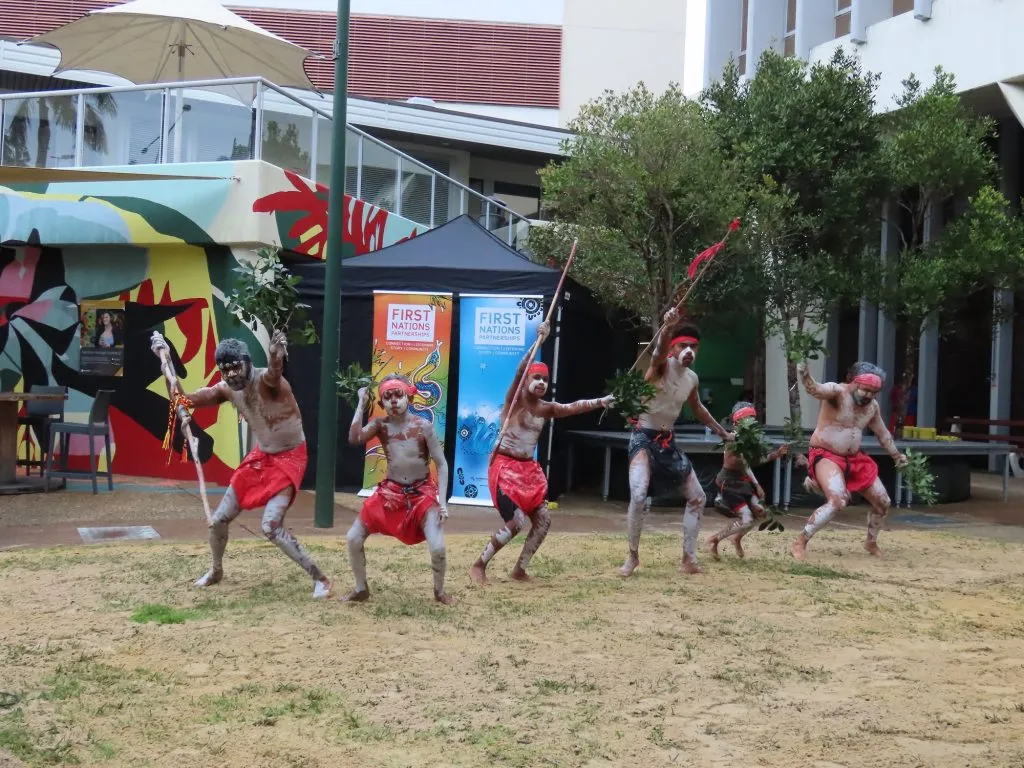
{"points": [[327, 418]]}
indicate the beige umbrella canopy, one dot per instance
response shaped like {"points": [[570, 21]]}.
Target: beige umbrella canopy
{"points": [[160, 41]]}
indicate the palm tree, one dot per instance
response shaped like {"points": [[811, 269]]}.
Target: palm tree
{"points": [[63, 110]]}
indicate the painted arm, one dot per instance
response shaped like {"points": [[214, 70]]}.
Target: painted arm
{"points": [[822, 391], [207, 396], [782, 450], [657, 367], [357, 433], [552, 410], [704, 416], [437, 454], [275, 363], [877, 426]]}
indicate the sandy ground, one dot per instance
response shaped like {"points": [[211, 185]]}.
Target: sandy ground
{"points": [[915, 660]]}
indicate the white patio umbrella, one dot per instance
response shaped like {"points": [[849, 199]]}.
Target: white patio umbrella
{"points": [[165, 41]]}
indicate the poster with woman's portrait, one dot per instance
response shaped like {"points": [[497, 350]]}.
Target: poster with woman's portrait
{"points": [[102, 334]]}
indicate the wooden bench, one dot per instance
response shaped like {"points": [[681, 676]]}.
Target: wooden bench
{"points": [[986, 436]]}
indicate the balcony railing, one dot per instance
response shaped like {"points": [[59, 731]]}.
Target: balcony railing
{"points": [[215, 120]]}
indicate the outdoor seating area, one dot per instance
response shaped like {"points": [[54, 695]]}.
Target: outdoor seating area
{"points": [[48, 434]]}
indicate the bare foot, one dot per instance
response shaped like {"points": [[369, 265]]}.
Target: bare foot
{"points": [[872, 548], [518, 574], [738, 545], [356, 597], [690, 567], [322, 589], [478, 573], [713, 549], [631, 564], [799, 548], [211, 577], [444, 598]]}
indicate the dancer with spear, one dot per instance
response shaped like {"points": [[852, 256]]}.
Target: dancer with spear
{"points": [[271, 474], [655, 462], [516, 481]]}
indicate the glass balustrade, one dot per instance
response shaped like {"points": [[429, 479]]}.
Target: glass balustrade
{"points": [[238, 119]]}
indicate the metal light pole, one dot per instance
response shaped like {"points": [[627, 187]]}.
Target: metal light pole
{"points": [[327, 418]]}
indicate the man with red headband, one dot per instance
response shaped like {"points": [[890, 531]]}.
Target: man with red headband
{"points": [[516, 481], [655, 463], [740, 493], [271, 474], [406, 505], [836, 464]]}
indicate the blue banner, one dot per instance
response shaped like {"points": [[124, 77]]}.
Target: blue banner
{"points": [[494, 334]]}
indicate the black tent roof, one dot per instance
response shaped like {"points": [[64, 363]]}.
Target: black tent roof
{"points": [[459, 256]]}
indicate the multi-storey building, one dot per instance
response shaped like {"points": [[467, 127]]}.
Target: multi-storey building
{"points": [[976, 41]]}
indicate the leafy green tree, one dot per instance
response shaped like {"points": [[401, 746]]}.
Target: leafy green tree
{"points": [[937, 152], [644, 188], [807, 147]]}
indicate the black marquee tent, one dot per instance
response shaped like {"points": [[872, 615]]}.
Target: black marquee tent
{"points": [[458, 257]]}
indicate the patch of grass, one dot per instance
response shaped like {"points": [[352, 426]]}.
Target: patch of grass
{"points": [[163, 614], [818, 571], [70, 680], [545, 685], [33, 747], [100, 749]]}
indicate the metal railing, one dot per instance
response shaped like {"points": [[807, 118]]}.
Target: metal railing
{"points": [[245, 118]]}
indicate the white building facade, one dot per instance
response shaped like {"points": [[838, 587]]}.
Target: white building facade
{"points": [[977, 42]]}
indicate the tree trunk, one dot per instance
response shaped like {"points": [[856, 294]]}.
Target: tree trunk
{"points": [[795, 416], [43, 135], [911, 350], [758, 383]]}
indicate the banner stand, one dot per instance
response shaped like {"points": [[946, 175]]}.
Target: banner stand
{"points": [[495, 331], [412, 337]]}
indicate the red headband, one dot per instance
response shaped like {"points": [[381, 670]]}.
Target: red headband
{"points": [[540, 368], [391, 384], [688, 341], [872, 380], [743, 413]]}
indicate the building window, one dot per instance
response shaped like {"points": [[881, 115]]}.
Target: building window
{"points": [[743, 38], [843, 17], [902, 6], [789, 41]]}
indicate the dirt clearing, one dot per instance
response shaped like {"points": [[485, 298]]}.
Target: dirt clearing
{"points": [[108, 656]]}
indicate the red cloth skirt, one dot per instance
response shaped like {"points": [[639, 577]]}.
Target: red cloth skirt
{"points": [[398, 510], [261, 476], [860, 470], [521, 480]]}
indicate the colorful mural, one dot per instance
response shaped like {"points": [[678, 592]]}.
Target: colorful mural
{"points": [[164, 248], [301, 217]]}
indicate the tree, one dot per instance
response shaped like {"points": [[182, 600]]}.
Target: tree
{"points": [[808, 150], [63, 110], [937, 153], [281, 148], [644, 188]]}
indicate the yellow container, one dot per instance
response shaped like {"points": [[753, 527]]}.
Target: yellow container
{"points": [[926, 433], [910, 433]]}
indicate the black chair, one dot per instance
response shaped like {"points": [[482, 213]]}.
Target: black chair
{"points": [[98, 425], [39, 415]]}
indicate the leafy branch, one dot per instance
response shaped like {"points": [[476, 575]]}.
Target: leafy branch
{"points": [[632, 393], [749, 443], [351, 380], [266, 294], [919, 478], [771, 523]]}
